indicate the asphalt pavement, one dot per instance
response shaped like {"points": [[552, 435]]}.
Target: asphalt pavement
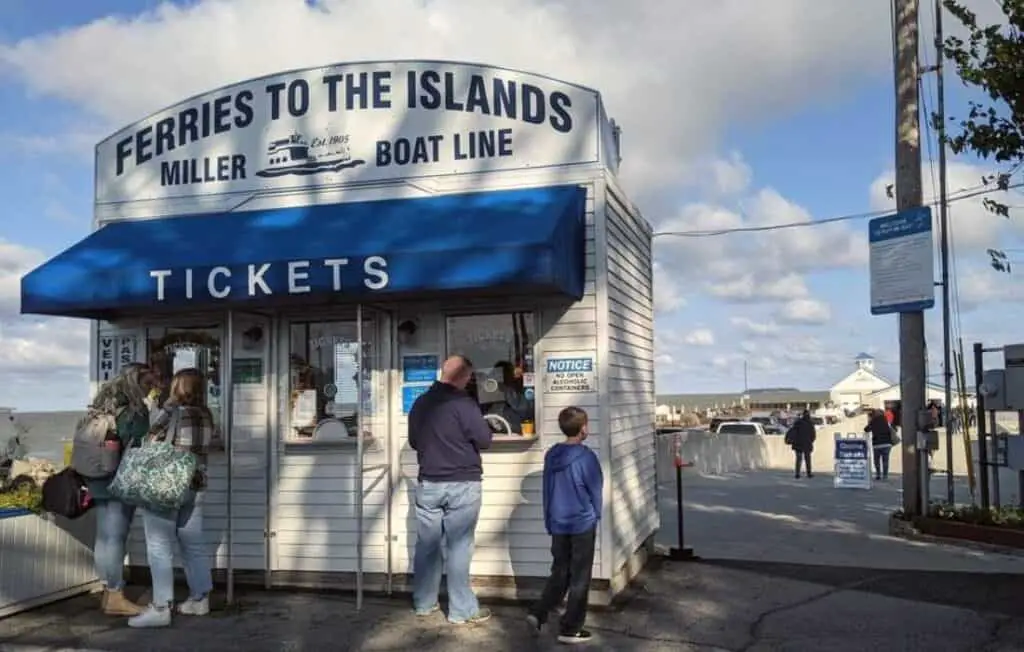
{"points": [[703, 606], [787, 565]]}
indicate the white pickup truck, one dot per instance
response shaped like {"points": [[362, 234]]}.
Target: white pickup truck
{"points": [[740, 428]]}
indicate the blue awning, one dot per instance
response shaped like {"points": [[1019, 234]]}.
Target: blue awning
{"points": [[522, 241]]}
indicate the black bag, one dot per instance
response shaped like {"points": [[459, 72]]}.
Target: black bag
{"points": [[65, 494]]}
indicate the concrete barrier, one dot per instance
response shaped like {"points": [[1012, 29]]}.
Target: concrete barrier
{"points": [[716, 454]]}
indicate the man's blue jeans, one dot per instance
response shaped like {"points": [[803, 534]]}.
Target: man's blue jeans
{"points": [[446, 515]]}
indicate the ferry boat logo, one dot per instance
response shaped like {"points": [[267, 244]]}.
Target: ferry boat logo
{"points": [[298, 155]]}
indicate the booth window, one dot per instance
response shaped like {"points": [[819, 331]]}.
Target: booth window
{"points": [[501, 349], [324, 361], [171, 350]]}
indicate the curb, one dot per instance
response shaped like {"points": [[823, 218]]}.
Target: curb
{"points": [[906, 530]]}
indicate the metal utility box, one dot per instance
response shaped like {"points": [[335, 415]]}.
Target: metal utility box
{"points": [[993, 387], [1013, 356]]}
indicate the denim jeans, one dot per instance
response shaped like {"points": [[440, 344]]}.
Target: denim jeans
{"points": [[572, 560], [446, 515], [882, 461], [113, 520], [184, 526]]}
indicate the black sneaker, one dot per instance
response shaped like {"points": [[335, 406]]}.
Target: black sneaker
{"points": [[582, 636]]}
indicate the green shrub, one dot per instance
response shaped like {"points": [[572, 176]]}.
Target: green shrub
{"points": [[22, 498], [1008, 517]]}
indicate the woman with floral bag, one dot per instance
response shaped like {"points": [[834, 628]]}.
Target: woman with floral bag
{"points": [[185, 422]]}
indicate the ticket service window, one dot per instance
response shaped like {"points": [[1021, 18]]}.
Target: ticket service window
{"points": [[500, 346]]}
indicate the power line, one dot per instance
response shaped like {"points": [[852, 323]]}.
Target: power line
{"points": [[960, 195]]}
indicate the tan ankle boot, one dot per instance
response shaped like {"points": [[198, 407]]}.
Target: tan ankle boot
{"points": [[116, 604]]}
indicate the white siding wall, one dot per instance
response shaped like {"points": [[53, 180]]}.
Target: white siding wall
{"points": [[629, 375], [511, 540]]}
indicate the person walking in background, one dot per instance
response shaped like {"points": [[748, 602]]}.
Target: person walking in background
{"points": [[801, 438], [881, 442], [124, 396], [573, 485], [187, 423], [447, 431]]}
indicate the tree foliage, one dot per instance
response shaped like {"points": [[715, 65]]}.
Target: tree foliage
{"points": [[989, 60]]}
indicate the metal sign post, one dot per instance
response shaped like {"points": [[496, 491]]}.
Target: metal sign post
{"points": [[681, 552], [228, 419], [360, 361]]}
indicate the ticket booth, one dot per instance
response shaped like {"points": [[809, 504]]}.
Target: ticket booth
{"points": [[316, 243]]}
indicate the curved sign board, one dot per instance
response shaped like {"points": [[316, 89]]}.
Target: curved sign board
{"points": [[350, 123]]}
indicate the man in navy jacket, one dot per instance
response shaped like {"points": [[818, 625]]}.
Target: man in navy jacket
{"points": [[448, 431]]}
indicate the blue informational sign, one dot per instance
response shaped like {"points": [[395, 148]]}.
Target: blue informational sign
{"points": [[409, 395], [420, 368], [852, 463], [902, 263]]}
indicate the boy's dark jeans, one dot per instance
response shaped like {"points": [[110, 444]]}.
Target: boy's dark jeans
{"points": [[571, 566]]}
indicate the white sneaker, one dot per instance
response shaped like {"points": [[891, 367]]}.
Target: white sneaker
{"points": [[193, 607], [151, 617]]}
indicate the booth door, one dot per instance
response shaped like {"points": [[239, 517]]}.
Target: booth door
{"points": [[336, 392], [203, 346]]}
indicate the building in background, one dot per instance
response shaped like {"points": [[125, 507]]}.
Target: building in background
{"points": [[853, 391]]}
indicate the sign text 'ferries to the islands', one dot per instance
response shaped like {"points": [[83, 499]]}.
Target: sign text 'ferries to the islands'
{"points": [[366, 122]]}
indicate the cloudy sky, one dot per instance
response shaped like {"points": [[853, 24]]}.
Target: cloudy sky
{"points": [[735, 113]]}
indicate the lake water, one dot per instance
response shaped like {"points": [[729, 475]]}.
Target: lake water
{"points": [[43, 432]]}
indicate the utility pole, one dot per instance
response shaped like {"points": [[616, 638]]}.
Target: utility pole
{"points": [[947, 344], [909, 196]]}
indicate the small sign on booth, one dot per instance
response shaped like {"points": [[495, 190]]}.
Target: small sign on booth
{"points": [[852, 461], [566, 375]]}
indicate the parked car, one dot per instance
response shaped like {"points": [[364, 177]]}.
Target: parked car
{"points": [[741, 428], [717, 421]]}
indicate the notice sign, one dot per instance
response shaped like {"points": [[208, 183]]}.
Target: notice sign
{"points": [[852, 462], [569, 375], [901, 259]]}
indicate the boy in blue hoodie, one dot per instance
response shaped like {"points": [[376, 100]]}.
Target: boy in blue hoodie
{"points": [[572, 509]]}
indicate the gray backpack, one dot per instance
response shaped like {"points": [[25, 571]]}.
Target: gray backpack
{"points": [[96, 448]]}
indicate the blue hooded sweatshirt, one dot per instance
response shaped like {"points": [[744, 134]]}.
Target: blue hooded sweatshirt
{"points": [[572, 489]]}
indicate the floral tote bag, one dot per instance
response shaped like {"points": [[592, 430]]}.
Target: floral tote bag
{"points": [[156, 475]]}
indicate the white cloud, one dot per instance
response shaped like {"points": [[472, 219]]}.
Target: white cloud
{"points": [[700, 337], [754, 328], [730, 176], [766, 264], [667, 293], [649, 59], [805, 311], [38, 357], [15, 260]]}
